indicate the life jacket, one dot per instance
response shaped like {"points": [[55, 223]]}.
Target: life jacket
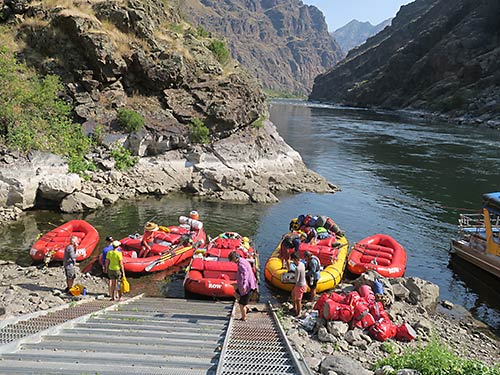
{"points": [[314, 267]]}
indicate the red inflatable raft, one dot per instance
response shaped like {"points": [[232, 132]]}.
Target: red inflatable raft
{"points": [[171, 246], [379, 252], [51, 245], [211, 273]]}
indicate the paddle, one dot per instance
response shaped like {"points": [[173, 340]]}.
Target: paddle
{"points": [[179, 249]]}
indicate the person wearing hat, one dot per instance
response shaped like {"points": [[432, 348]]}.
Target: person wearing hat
{"points": [[108, 247], [246, 282], [148, 238], [313, 267], [114, 268]]}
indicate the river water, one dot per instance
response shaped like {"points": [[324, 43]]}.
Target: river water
{"points": [[399, 175]]}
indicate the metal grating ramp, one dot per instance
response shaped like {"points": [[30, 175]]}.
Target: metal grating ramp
{"points": [[39, 322], [139, 336], [258, 346]]}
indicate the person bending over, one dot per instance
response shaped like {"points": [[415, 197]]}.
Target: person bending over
{"points": [[290, 241]]}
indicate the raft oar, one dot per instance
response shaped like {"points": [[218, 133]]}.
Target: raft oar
{"points": [[166, 257], [171, 253]]}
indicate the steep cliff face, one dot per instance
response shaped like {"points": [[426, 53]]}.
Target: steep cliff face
{"points": [[284, 43], [434, 57], [205, 129], [356, 33], [136, 54]]}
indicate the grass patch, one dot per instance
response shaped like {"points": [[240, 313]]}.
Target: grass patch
{"points": [[436, 359]]}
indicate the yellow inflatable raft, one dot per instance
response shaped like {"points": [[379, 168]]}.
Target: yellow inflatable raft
{"points": [[330, 275]]}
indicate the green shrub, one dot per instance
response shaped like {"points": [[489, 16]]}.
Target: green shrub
{"points": [[123, 158], [98, 134], [33, 117], [259, 123], [436, 359], [130, 120], [199, 133], [219, 49]]}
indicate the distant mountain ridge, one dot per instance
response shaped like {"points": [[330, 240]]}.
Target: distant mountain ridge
{"points": [[433, 57], [356, 33], [284, 43]]}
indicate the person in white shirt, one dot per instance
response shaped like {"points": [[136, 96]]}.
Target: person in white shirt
{"points": [[300, 283]]}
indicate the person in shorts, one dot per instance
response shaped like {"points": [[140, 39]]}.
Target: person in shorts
{"points": [[246, 282], [69, 262], [300, 284], [114, 269]]}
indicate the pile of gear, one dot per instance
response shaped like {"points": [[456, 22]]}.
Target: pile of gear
{"points": [[363, 309], [322, 226]]}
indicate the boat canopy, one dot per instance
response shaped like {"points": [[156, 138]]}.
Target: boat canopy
{"points": [[492, 202]]}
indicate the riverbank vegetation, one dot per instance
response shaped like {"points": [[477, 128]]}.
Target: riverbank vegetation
{"points": [[436, 359], [33, 117]]}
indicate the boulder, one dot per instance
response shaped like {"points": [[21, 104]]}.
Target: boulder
{"points": [[422, 292], [79, 202], [342, 365], [19, 186], [56, 187]]}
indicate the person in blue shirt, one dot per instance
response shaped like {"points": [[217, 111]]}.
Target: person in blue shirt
{"points": [[105, 250]]}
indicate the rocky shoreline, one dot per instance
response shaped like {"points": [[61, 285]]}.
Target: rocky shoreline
{"points": [[330, 347], [251, 165], [327, 347]]}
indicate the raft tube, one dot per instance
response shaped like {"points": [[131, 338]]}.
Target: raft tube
{"points": [[332, 259], [380, 253]]}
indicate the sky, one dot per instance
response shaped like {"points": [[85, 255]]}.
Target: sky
{"points": [[340, 12]]}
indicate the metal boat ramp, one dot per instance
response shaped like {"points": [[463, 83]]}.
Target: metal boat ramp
{"points": [[145, 335]]}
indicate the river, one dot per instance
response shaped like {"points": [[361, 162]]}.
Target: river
{"points": [[399, 175]]}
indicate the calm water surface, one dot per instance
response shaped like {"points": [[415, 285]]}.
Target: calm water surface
{"points": [[399, 175]]}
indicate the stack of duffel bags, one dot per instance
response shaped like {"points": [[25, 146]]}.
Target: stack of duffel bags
{"points": [[323, 226], [361, 309]]}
